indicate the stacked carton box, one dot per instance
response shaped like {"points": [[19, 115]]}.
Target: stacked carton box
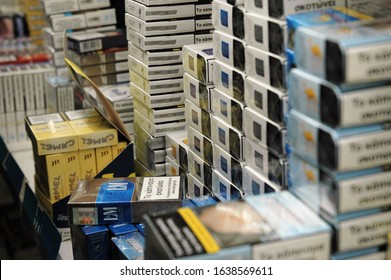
{"points": [[157, 31], [338, 132]]}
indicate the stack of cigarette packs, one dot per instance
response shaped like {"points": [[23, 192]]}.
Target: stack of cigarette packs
{"points": [[157, 31], [339, 139], [36, 20], [68, 147]]}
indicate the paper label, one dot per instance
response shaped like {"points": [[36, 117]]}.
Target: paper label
{"points": [[365, 232], [204, 9], [43, 119], [365, 192], [160, 188], [359, 152], [369, 63]]}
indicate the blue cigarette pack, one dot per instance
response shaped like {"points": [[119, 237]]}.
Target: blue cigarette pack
{"points": [[129, 246]]}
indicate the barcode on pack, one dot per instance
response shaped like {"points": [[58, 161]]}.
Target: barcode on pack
{"points": [[91, 45]]}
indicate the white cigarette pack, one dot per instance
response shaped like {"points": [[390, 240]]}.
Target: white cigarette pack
{"points": [[177, 147], [158, 86], [195, 188], [198, 118], [101, 18], [173, 168], [152, 58], [157, 169], [229, 19], [229, 80], [224, 189], [227, 138], [255, 183], [200, 145], [197, 92], [67, 21], [159, 72], [157, 101], [200, 169], [229, 50], [160, 115], [156, 156], [154, 28], [153, 143], [198, 61], [164, 2]]}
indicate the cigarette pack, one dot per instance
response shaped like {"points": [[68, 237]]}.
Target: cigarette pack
{"points": [[128, 246], [121, 229], [159, 42], [229, 80], [57, 211], [154, 28], [201, 145], [156, 168], [360, 230], [117, 149], [59, 94], [227, 109], [55, 136], [71, 171], [229, 50], [359, 49], [228, 18], [198, 118], [158, 72], [106, 68], [160, 115], [155, 156], [90, 242], [157, 101], [119, 96], [88, 168], [101, 17], [163, 2], [103, 156], [228, 166], [49, 171], [158, 86], [204, 200], [141, 170], [264, 132], [195, 188], [93, 4], [247, 229], [166, 12], [67, 21], [58, 7], [254, 183], [266, 33], [282, 8], [224, 189], [96, 41], [267, 101], [158, 57], [94, 132], [177, 147], [339, 149], [173, 168], [375, 253], [198, 61], [197, 92], [227, 138], [336, 107], [267, 68], [98, 57], [119, 200], [79, 114], [265, 162], [153, 143], [334, 193], [200, 169]]}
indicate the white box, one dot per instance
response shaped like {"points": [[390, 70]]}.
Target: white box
{"points": [[229, 50], [101, 17], [265, 33], [52, 7], [198, 61], [154, 28], [224, 189], [177, 148], [197, 92], [159, 13], [173, 168], [267, 68], [159, 42], [58, 57], [264, 162], [228, 166], [158, 86], [265, 100], [200, 145], [93, 4], [152, 58], [160, 115], [228, 138], [229, 19], [151, 142], [157, 101], [156, 156], [264, 132], [18, 90], [164, 2], [195, 188], [157, 169], [198, 118], [227, 109], [160, 72], [157, 130], [254, 183], [64, 22], [229, 80], [200, 169]]}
